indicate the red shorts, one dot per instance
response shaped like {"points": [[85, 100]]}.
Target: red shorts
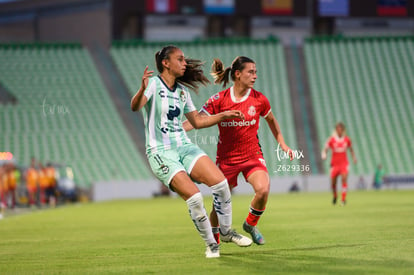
{"points": [[231, 172], [338, 170]]}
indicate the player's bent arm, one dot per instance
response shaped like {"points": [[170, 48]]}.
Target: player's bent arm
{"points": [[324, 152], [353, 154], [199, 121], [139, 100], [275, 128]]}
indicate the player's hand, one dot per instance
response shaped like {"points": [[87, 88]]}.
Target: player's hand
{"points": [[233, 114], [287, 149], [323, 155], [145, 78]]}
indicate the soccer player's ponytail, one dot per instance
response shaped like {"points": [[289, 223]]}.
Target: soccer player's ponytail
{"points": [[221, 75], [218, 72], [193, 75]]}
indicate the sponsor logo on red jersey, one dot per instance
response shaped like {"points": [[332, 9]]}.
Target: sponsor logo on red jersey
{"points": [[240, 123]]}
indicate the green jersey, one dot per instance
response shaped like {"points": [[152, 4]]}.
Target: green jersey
{"points": [[163, 114]]}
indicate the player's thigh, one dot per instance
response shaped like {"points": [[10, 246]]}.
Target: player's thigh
{"points": [[207, 172], [260, 181], [183, 185], [165, 165], [335, 172]]}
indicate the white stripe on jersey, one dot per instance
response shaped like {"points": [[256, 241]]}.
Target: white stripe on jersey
{"points": [[178, 134], [165, 105]]}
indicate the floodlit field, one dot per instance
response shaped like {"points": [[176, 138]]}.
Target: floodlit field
{"points": [[373, 234]]}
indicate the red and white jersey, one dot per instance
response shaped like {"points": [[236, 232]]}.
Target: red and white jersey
{"points": [[339, 147], [238, 139]]}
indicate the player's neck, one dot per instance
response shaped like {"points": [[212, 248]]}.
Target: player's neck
{"points": [[168, 79], [239, 90]]}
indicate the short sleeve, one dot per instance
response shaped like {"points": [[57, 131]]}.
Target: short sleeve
{"points": [[266, 106], [150, 90], [211, 106], [189, 105]]}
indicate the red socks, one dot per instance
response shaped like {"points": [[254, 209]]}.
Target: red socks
{"points": [[254, 216], [252, 219], [335, 195], [344, 189], [216, 234]]}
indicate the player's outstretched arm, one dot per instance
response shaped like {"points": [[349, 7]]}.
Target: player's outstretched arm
{"points": [[139, 100], [199, 121], [275, 128], [187, 125]]}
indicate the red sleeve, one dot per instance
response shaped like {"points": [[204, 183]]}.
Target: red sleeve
{"points": [[211, 106], [329, 143], [266, 106], [349, 142]]}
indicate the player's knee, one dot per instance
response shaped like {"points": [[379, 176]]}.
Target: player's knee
{"points": [[262, 193]]}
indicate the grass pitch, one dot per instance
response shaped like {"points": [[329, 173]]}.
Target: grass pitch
{"points": [[373, 234]]}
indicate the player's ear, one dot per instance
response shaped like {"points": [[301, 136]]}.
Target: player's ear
{"points": [[166, 63], [237, 74]]}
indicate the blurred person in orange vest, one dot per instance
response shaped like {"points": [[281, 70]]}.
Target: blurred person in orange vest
{"points": [[31, 182], [43, 183], [2, 192], [12, 178], [51, 180]]}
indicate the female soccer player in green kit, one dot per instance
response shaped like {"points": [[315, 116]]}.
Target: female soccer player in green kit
{"points": [[175, 161]]}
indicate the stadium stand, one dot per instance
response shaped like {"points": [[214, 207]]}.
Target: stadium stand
{"points": [[63, 113], [132, 57], [368, 84]]}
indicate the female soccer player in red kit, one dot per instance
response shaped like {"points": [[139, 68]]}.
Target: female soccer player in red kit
{"points": [[339, 143], [238, 149]]}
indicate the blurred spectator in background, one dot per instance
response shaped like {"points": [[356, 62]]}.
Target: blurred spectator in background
{"points": [[361, 185], [294, 188], [378, 177], [2, 192], [32, 182], [12, 178], [51, 185], [43, 183], [164, 191]]}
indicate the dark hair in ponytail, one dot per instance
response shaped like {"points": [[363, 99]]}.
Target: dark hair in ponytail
{"points": [[193, 75], [221, 75]]}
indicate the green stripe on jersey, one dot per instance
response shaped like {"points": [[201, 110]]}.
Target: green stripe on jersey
{"points": [[163, 115]]}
